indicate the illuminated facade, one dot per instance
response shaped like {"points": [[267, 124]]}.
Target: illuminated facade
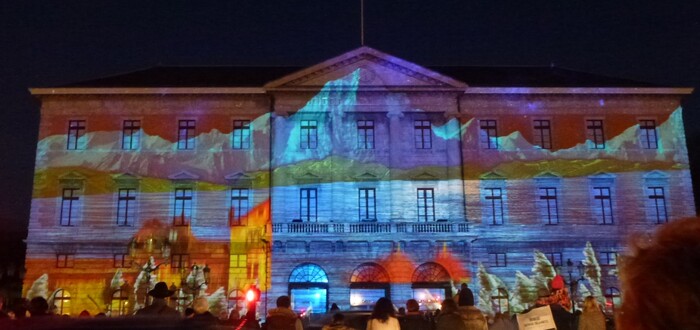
{"points": [[358, 177]]}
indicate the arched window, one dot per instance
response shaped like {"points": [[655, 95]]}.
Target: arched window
{"points": [[431, 285], [368, 283], [430, 272], [119, 304], [61, 302], [236, 299], [612, 300], [308, 288]]}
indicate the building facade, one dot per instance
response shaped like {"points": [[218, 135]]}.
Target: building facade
{"points": [[359, 177]]}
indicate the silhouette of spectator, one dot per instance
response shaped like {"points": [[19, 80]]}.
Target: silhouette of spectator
{"points": [[449, 318], [283, 317], [38, 307], [383, 316], [159, 306], [338, 323], [660, 282]]}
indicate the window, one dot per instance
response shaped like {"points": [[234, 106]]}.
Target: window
{"points": [[308, 204], [488, 134], [65, 260], [657, 199], [498, 259], [309, 131], [308, 288], [236, 300], [239, 205], [543, 133], [500, 301], [180, 261], [368, 204], [365, 134], [119, 303], [608, 258], [647, 134], [554, 258], [238, 261], [76, 135], [61, 302], [422, 136], [426, 204], [131, 134], [122, 261], [241, 134], [185, 137], [594, 133], [603, 205], [183, 207], [613, 300], [70, 204], [126, 207], [548, 205], [494, 205]]}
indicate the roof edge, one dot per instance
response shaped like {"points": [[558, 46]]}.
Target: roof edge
{"points": [[145, 90]]}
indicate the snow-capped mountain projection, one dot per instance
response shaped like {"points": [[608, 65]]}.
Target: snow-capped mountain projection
{"points": [[360, 177]]}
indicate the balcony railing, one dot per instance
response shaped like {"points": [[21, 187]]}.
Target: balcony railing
{"points": [[372, 227]]}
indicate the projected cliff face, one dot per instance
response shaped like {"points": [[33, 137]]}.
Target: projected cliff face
{"points": [[355, 171]]}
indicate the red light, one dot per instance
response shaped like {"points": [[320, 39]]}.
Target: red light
{"points": [[251, 295]]}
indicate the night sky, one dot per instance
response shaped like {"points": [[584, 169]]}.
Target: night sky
{"points": [[52, 43]]}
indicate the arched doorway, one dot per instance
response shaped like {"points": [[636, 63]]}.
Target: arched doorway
{"points": [[368, 283], [431, 284], [613, 300], [308, 288]]}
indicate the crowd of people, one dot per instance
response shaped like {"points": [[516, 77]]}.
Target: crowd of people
{"points": [[661, 290]]}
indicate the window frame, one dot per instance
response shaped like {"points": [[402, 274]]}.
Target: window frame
{"points": [[185, 204], [648, 135], [241, 136], [606, 260], [598, 194], [308, 131], [495, 259], [122, 260], [238, 214], [65, 260], [131, 134], [488, 134], [75, 137], [545, 201], [128, 204], [369, 210], [496, 204], [365, 134], [311, 204], [542, 134], [73, 206], [180, 261], [555, 258], [422, 134], [595, 133], [654, 197], [186, 134], [426, 204]]}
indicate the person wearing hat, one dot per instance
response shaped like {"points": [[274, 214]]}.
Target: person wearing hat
{"points": [[159, 306]]}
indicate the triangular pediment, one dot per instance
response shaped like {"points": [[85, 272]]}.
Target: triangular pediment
{"points": [[239, 179], [602, 176], [307, 177], [366, 68], [366, 177], [183, 175], [492, 176], [424, 176], [656, 174], [547, 176]]}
